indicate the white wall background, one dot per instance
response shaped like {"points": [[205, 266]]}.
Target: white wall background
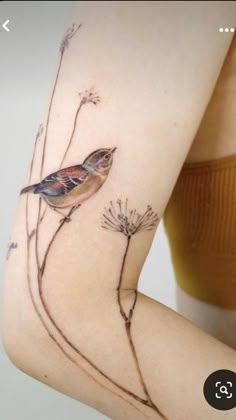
{"points": [[27, 66]]}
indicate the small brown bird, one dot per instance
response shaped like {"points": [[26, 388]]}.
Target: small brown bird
{"points": [[69, 187]]}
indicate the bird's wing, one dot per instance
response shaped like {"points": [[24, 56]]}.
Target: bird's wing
{"points": [[62, 181]]}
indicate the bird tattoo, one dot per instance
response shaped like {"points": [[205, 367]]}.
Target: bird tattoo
{"points": [[70, 187]]}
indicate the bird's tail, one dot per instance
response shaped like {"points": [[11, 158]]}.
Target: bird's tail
{"points": [[30, 188]]}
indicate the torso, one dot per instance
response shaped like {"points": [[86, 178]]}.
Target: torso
{"points": [[216, 138]]}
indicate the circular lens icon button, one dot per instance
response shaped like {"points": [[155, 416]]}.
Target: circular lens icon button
{"points": [[220, 389]]}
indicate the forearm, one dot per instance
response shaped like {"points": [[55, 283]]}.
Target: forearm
{"points": [[178, 357]]}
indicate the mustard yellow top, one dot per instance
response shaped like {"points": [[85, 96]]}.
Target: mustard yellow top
{"points": [[200, 222]]}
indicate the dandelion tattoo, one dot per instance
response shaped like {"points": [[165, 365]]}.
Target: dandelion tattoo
{"points": [[128, 222], [119, 218]]}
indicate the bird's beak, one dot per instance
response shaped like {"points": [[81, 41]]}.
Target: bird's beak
{"points": [[113, 149]]}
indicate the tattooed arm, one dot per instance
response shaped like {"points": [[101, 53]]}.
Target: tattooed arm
{"points": [[132, 84]]}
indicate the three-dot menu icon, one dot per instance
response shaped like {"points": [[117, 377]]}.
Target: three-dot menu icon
{"points": [[227, 29]]}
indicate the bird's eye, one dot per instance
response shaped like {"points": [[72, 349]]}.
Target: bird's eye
{"points": [[107, 156]]}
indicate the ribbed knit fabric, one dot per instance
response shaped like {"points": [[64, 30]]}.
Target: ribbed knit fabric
{"points": [[200, 222]]}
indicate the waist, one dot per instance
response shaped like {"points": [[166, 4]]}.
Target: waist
{"points": [[200, 222]]}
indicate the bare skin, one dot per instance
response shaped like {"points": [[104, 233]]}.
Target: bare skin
{"points": [[73, 318]]}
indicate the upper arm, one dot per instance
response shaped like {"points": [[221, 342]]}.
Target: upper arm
{"points": [[137, 77]]}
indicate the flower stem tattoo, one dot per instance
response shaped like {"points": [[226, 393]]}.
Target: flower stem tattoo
{"points": [[64, 191], [85, 98], [119, 218], [64, 45]]}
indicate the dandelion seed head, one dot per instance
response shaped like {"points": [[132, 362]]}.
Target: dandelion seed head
{"points": [[89, 96], [128, 222]]}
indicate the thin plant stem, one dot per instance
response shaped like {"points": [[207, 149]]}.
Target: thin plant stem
{"points": [[123, 314], [51, 335], [47, 123], [62, 50], [41, 273], [128, 321], [49, 114], [72, 133], [43, 215]]}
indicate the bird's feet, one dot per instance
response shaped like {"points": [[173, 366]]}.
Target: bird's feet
{"points": [[66, 218]]}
